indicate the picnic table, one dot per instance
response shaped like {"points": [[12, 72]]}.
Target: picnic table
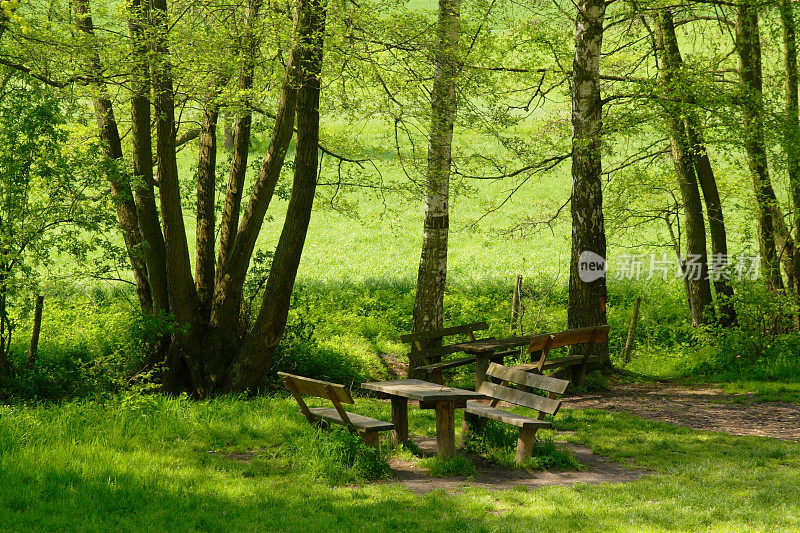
{"points": [[483, 350], [430, 396]]}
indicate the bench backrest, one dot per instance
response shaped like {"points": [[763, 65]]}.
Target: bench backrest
{"points": [[549, 341], [542, 344], [501, 392], [417, 340], [336, 393]]}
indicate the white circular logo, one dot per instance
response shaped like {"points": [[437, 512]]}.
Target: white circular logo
{"points": [[591, 266]]}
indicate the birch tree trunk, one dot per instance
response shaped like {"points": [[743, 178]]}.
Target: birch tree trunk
{"points": [[748, 47], [429, 301], [587, 300]]}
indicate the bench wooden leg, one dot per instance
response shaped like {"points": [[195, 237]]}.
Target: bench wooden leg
{"points": [[578, 374], [400, 420], [445, 429], [472, 424], [371, 438], [525, 442]]}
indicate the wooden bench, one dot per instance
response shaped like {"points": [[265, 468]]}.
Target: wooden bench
{"points": [[368, 428], [426, 360], [573, 364], [525, 381]]}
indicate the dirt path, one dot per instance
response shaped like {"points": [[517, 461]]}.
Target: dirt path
{"points": [[698, 407], [492, 477]]}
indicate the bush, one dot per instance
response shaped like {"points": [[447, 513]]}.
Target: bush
{"points": [[762, 345]]}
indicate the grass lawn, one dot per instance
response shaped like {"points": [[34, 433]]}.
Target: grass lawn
{"points": [[154, 463]]}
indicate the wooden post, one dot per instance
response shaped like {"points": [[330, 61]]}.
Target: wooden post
{"points": [[37, 327], [579, 374], [400, 420], [371, 438], [445, 429], [515, 305], [628, 350], [525, 442]]}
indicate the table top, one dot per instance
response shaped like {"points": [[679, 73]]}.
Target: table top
{"points": [[416, 389], [490, 345]]}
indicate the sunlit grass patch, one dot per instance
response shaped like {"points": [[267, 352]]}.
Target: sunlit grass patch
{"points": [[457, 465]]}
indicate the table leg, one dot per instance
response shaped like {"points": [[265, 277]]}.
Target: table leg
{"points": [[481, 366], [445, 429], [400, 420]]}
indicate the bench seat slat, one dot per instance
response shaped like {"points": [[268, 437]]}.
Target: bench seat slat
{"points": [[513, 419], [361, 422]]}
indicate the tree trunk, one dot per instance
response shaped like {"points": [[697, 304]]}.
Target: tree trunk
{"points": [[182, 369], [240, 144], [701, 305], [587, 299], [792, 134], [5, 331], [142, 159], [716, 222], [748, 47], [37, 327], [429, 301], [206, 215], [112, 146], [225, 330], [250, 367]]}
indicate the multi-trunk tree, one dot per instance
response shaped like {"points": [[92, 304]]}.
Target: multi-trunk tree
{"points": [[212, 347]]}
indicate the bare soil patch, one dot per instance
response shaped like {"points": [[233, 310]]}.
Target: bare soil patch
{"points": [[492, 477], [698, 407]]}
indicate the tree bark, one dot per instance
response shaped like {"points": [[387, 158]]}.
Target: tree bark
{"points": [[142, 158], [206, 215], [37, 328], [748, 47], [240, 143], [6, 368], [112, 146], [249, 369], [701, 304], [431, 279], [587, 300], [182, 369], [225, 330], [792, 133], [726, 315]]}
